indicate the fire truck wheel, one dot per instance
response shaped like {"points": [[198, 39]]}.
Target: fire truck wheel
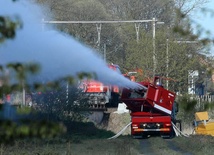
{"points": [[144, 136], [172, 133]]}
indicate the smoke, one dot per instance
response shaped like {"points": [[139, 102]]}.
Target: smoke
{"points": [[58, 54]]}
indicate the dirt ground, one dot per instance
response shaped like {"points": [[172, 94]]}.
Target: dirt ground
{"points": [[115, 122]]}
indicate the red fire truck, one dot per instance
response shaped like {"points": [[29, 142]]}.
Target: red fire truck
{"points": [[100, 95], [152, 109]]}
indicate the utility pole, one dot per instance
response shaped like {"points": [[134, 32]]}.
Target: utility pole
{"points": [[137, 28], [23, 95], [99, 32], [154, 22], [167, 63], [153, 44], [67, 92], [104, 53]]}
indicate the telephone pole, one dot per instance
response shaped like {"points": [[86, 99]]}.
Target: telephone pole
{"points": [[154, 22]]}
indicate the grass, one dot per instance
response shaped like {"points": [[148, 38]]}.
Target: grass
{"points": [[160, 146], [86, 139], [81, 138], [85, 131], [120, 146], [194, 145], [197, 144]]}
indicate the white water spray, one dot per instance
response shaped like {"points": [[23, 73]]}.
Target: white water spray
{"points": [[58, 54]]}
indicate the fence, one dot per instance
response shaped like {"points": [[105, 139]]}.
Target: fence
{"points": [[205, 98], [202, 100]]}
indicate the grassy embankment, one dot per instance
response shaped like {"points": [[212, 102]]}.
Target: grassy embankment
{"points": [[81, 138]]}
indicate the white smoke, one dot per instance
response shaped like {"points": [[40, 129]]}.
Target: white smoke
{"points": [[59, 55]]}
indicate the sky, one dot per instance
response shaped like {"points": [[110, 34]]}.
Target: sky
{"points": [[206, 20]]}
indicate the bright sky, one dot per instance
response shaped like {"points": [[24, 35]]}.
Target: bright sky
{"points": [[206, 20]]}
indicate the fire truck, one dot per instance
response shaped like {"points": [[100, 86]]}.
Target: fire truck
{"points": [[100, 96], [152, 108]]}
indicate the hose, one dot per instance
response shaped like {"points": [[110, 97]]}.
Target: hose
{"points": [[178, 132], [119, 133]]}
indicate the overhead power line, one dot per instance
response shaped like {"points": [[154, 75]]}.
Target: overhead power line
{"points": [[97, 22]]}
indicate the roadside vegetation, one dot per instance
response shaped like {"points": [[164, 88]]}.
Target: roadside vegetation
{"points": [[188, 106], [88, 140], [81, 138]]}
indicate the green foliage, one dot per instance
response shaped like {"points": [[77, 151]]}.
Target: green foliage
{"points": [[64, 103], [88, 75], [8, 27], [23, 110], [23, 122], [208, 106], [22, 70], [186, 103], [11, 130], [189, 105], [187, 108], [21, 73]]}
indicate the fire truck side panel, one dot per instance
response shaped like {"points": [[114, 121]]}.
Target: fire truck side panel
{"points": [[160, 98]]}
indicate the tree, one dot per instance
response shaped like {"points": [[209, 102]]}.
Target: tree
{"points": [[188, 6], [77, 11], [120, 40]]}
